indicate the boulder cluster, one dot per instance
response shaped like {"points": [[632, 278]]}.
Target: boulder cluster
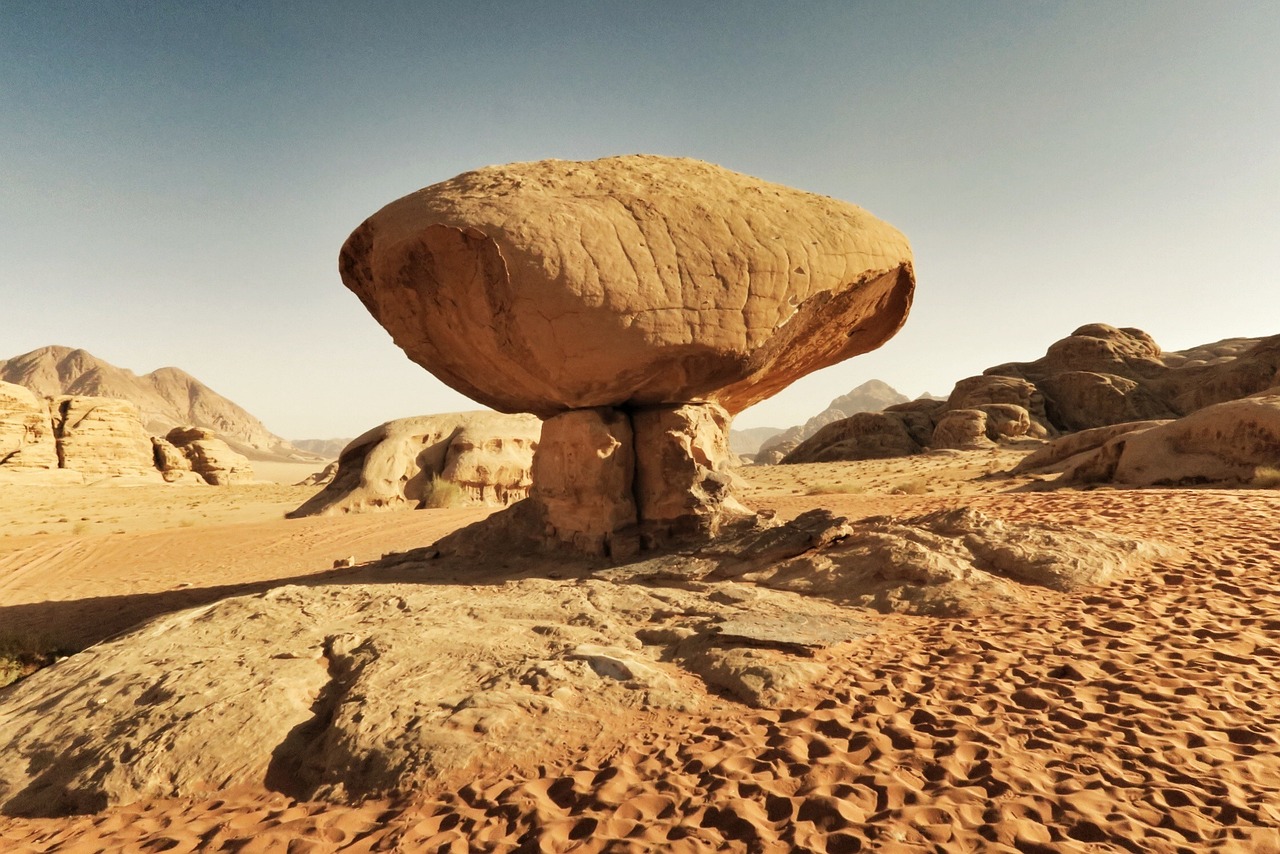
{"points": [[1094, 379], [635, 304], [97, 437]]}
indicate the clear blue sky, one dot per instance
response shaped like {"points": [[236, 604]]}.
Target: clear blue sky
{"points": [[176, 178]]}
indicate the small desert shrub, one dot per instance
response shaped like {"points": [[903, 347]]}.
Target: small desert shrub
{"points": [[22, 655], [1266, 477], [80, 528], [830, 487], [443, 493], [910, 487]]}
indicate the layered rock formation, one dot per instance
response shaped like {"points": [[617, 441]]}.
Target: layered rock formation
{"points": [[397, 678], [488, 456], [202, 452], [1225, 443], [619, 298], [97, 437], [167, 398], [1096, 377], [26, 430]]}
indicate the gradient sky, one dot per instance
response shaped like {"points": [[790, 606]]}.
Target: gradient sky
{"points": [[176, 178]]}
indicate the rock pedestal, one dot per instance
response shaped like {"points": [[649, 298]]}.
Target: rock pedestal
{"points": [[611, 481]]}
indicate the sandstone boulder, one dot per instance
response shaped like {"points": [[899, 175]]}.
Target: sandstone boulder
{"points": [[1058, 453], [1224, 443], [99, 436], [26, 431], [627, 283], [865, 436], [205, 454], [486, 455]]}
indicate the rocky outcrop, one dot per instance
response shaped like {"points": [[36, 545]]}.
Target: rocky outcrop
{"points": [[627, 283], [865, 436], [871, 396], [166, 398], [1097, 377], [202, 452], [1226, 443], [26, 431], [395, 466], [397, 678], [99, 436]]}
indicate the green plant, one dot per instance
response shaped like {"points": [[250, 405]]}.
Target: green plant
{"points": [[24, 654], [1266, 477], [443, 493]]}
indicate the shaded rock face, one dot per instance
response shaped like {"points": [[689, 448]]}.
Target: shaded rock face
{"points": [[1097, 377], [1224, 443], [101, 436], [631, 284], [26, 430], [487, 455], [202, 452]]}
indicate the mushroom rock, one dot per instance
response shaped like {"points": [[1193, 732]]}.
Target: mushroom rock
{"points": [[667, 293]]}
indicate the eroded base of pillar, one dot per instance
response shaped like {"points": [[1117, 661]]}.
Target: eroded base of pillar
{"points": [[612, 481]]}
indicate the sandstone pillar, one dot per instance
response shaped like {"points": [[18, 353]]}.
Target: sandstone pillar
{"points": [[608, 481]]}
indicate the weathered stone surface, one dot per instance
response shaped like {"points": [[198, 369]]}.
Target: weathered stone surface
{"points": [[1096, 377], [1057, 453], [865, 436], [636, 284], [584, 479], [26, 432], [101, 436], [683, 483], [638, 280], [209, 456], [373, 687], [487, 455], [1223, 443], [947, 563], [963, 430]]}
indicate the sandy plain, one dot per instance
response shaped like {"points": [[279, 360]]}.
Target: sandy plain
{"points": [[1142, 716]]}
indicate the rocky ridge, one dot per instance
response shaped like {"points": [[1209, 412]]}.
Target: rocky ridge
{"points": [[166, 398], [1097, 377], [97, 437]]}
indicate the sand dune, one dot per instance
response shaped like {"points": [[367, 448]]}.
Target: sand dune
{"points": [[1142, 716]]}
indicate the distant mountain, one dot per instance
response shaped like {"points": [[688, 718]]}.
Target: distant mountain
{"points": [[871, 396], [748, 441], [167, 397], [327, 448]]}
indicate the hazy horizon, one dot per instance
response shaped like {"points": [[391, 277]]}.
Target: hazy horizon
{"points": [[179, 179]]}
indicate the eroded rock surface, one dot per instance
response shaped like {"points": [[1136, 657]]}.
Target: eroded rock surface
{"points": [[99, 436], [1226, 443], [637, 284], [486, 455], [399, 674], [26, 431], [1095, 378], [205, 454]]}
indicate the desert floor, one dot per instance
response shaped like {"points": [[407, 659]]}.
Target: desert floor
{"points": [[1143, 716]]}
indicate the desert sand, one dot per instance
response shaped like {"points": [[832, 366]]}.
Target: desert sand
{"points": [[1139, 716]]}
